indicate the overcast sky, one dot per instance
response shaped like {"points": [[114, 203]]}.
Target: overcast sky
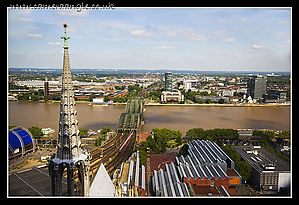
{"points": [[176, 39]]}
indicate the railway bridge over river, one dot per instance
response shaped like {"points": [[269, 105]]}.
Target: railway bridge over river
{"points": [[119, 148]]}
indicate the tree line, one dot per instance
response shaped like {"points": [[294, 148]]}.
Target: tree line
{"points": [[243, 167], [265, 141], [157, 143], [212, 134]]}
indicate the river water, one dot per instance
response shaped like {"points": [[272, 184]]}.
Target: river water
{"points": [[181, 118]]}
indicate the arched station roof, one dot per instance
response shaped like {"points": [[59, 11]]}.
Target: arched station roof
{"points": [[19, 137]]}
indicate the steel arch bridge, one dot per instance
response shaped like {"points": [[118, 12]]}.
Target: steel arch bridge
{"points": [[131, 119]]}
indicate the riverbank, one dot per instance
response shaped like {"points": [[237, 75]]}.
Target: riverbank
{"points": [[221, 105], [191, 105]]}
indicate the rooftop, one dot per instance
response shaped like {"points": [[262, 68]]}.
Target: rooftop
{"points": [[206, 191], [157, 161], [262, 159]]}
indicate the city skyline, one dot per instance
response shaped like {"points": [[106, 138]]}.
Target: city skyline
{"points": [[174, 39]]}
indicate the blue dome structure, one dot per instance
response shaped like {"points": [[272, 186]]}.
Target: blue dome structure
{"points": [[20, 142]]}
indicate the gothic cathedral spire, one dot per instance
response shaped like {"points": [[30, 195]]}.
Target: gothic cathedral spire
{"points": [[69, 154]]}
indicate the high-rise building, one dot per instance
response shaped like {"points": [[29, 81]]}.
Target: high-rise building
{"points": [[46, 87], [69, 154], [168, 81], [256, 86]]}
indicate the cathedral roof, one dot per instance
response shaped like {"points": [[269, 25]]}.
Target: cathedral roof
{"points": [[101, 184]]}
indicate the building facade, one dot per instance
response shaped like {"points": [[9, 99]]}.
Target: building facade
{"points": [[278, 95], [256, 86], [213, 99], [168, 81], [269, 173], [174, 96], [46, 88]]}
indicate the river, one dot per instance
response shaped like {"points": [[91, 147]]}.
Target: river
{"points": [[181, 118]]}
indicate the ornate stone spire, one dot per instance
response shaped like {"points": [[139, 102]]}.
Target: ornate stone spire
{"points": [[65, 38], [69, 154], [68, 135]]}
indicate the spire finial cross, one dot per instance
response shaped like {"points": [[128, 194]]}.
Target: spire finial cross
{"points": [[65, 38]]}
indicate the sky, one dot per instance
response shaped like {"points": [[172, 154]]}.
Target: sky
{"points": [[199, 39]]}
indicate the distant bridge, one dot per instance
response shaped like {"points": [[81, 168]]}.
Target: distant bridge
{"points": [[131, 119], [118, 149]]}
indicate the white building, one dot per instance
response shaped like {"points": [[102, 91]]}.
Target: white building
{"points": [[187, 85], [227, 93], [98, 100], [175, 95]]}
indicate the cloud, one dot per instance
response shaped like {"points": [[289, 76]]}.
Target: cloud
{"points": [[123, 31], [155, 28], [197, 38], [287, 41], [140, 33], [229, 40], [26, 19], [221, 20], [248, 50], [220, 32], [244, 19], [259, 47], [33, 27], [125, 39], [170, 35], [190, 35], [282, 22], [281, 33], [164, 47], [54, 44], [73, 30], [35, 35]]}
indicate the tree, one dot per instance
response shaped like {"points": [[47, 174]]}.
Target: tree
{"points": [[91, 97], [285, 134], [83, 132], [34, 97], [152, 144], [179, 140], [243, 167], [36, 131], [209, 100], [162, 136], [143, 152], [143, 156], [105, 130], [268, 134], [99, 140], [106, 99], [198, 133], [184, 150], [56, 97], [200, 101], [46, 98]]}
